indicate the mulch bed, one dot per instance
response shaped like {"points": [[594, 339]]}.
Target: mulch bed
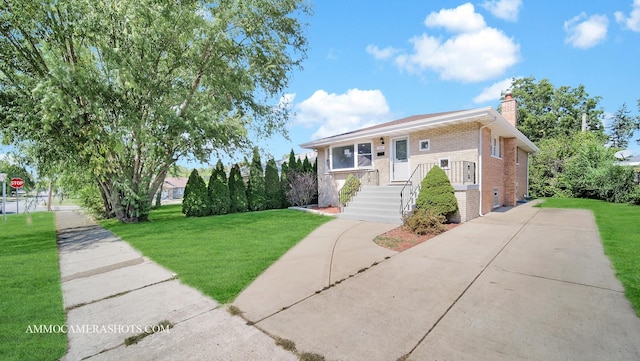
{"points": [[397, 239], [330, 210], [400, 239]]}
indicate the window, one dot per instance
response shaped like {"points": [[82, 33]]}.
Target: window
{"points": [[342, 157], [364, 155], [351, 156], [444, 163], [495, 147], [425, 144]]}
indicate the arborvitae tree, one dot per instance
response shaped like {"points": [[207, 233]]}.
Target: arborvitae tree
{"points": [[196, 198], [306, 165], [284, 185], [437, 193], [272, 185], [292, 161], [237, 191], [220, 200], [299, 165], [256, 189]]}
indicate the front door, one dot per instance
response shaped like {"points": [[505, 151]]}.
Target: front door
{"points": [[400, 160]]}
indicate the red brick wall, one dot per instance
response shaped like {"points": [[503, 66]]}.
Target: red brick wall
{"points": [[500, 173], [522, 174], [509, 159], [492, 170]]}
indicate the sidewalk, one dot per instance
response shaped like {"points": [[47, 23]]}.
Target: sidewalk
{"points": [[526, 284], [111, 292]]}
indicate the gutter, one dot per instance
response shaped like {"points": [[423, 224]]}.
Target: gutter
{"points": [[480, 164]]}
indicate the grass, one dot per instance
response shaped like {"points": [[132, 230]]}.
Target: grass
{"points": [[31, 294], [619, 227], [219, 255]]}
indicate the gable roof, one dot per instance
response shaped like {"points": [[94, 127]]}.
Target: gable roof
{"points": [[483, 116], [175, 182]]}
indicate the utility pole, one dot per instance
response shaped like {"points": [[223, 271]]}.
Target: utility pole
{"points": [[3, 179]]}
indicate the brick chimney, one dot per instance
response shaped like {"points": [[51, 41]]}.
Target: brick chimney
{"points": [[509, 109]]}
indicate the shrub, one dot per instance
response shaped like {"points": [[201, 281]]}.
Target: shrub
{"points": [[425, 221], [303, 186], [349, 189], [437, 194], [196, 198], [634, 196], [218, 189], [237, 191], [272, 189]]}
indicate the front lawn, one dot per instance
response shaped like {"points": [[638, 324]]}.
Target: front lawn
{"points": [[31, 308], [219, 255], [619, 227]]}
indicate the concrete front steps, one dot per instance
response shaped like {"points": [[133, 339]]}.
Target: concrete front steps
{"points": [[375, 204]]}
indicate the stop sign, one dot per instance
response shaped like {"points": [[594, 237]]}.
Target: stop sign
{"points": [[17, 183]]}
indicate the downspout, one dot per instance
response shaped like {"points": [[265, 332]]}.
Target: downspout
{"points": [[528, 163], [480, 165]]}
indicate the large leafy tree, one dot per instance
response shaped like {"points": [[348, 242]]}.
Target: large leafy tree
{"points": [[545, 111], [121, 89]]}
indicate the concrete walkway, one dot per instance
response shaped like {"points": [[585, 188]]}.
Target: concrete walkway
{"points": [[332, 253], [111, 292], [526, 284]]}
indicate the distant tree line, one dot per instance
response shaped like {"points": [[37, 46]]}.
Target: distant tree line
{"points": [[265, 188]]}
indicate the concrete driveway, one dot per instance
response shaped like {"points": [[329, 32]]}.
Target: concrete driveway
{"points": [[525, 284]]}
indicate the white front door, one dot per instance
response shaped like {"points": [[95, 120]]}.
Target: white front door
{"points": [[400, 159]]}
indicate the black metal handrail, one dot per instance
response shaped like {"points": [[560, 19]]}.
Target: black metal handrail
{"points": [[460, 172]]}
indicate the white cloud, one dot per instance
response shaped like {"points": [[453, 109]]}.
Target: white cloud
{"points": [[476, 52], [468, 57], [586, 32], [341, 113], [631, 22], [504, 9], [462, 19], [381, 54], [494, 91]]}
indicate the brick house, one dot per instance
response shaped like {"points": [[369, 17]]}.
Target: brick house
{"points": [[482, 152]]}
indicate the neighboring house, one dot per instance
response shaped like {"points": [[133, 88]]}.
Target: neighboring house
{"points": [[173, 188], [482, 152], [633, 162]]}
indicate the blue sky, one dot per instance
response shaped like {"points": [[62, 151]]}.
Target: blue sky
{"points": [[375, 61], [371, 61]]}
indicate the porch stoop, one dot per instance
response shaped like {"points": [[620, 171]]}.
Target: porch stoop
{"points": [[375, 204]]}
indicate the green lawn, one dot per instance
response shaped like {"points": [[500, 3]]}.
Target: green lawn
{"points": [[619, 226], [220, 255], [30, 289]]}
